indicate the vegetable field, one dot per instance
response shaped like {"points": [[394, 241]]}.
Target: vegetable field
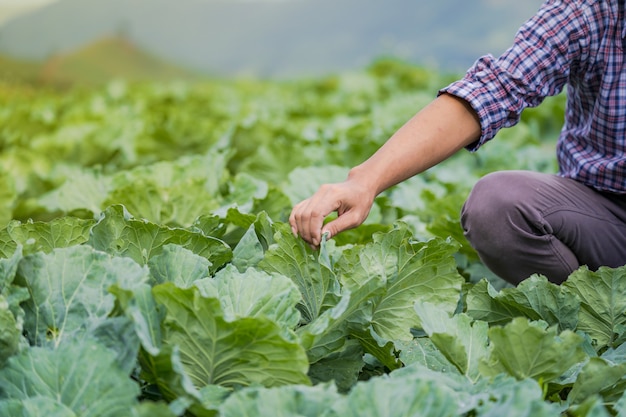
{"points": [[147, 268]]}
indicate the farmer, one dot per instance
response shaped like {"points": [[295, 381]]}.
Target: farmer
{"points": [[519, 222]]}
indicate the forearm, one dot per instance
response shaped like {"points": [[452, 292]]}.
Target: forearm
{"points": [[429, 137], [432, 135]]}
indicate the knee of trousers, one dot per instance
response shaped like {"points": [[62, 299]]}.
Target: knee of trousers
{"points": [[491, 216]]}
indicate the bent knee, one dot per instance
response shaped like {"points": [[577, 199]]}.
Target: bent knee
{"points": [[492, 197]]}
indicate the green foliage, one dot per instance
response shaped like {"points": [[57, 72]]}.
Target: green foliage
{"points": [[219, 348], [462, 342], [603, 306], [534, 298], [147, 267], [527, 349], [82, 379]]}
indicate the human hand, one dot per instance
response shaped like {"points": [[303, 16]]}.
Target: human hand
{"points": [[351, 200]]}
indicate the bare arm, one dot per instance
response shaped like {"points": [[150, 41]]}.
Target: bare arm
{"points": [[432, 135]]}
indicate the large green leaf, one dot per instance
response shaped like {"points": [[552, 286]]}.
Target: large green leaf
{"points": [[276, 204], [168, 372], [534, 298], [526, 349], [178, 203], [620, 406], [291, 257], [8, 269], [328, 333], [69, 291], [165, 370], [118, 334], [411, 271], [139, 306], [209, 224], [178, 265], [423, 351], [83, 189], [351, 315], [467, 395], [150, 409], [592, 407], [603, 302], [82, 377], [243, 189], [249, 250], [35, 407], [499, 396], [287, 401], [615, 358], [209, 167], [215, 350], [380, 281], [254, 293], [264, 228], [44, 236], [11, 312], [521, 399], [118, 233], [384, 351], [10, 332], [343, 366], [462, 340], [596, 376], [400, 396]]}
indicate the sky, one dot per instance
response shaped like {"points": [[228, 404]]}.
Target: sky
{"points": [[315, 36], [13, 8], [23, 2], [10, 9]]}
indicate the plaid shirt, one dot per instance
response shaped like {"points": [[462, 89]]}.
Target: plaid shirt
{"points": [[578, 43]]}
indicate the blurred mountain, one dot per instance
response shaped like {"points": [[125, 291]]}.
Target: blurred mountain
{"points": [[107, 58], [14, 69], [276, 38], [100, 61]]}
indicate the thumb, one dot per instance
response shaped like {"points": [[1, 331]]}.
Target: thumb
{"points": [[348, 220]]}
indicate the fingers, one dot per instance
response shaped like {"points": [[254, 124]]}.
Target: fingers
{"points": [[307, 218], [345, 221], [351, 204]]}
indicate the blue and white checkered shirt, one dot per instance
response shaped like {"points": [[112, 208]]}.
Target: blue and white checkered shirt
{"points": [[578, 43]]}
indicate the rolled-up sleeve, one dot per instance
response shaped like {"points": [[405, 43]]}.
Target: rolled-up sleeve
{"points": [[536, 66]]}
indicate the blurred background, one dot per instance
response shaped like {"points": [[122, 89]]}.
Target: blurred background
{"points": [[87, 41], [193, 110]]}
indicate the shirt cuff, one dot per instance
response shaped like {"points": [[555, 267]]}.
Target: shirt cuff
{"points": [[482, 90]]}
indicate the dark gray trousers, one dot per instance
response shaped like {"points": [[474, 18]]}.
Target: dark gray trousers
{"points": [[522, 223]]}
